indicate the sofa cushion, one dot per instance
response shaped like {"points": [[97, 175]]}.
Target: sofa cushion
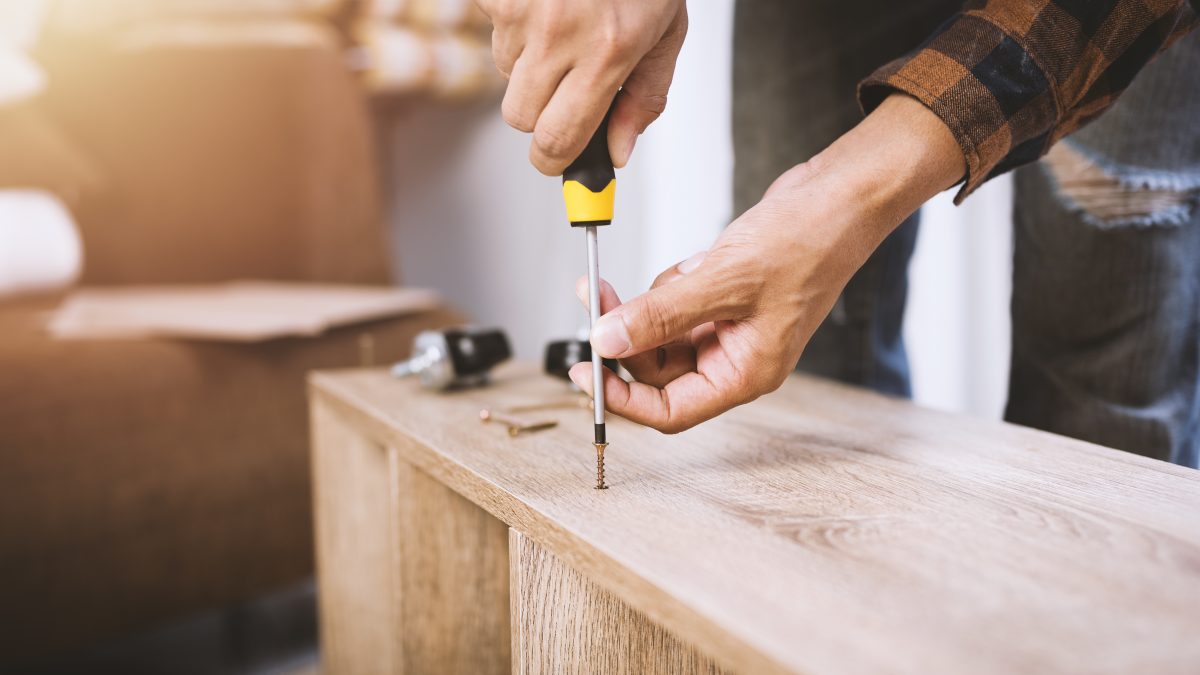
{"points": [[230, 150], [142, 479]]}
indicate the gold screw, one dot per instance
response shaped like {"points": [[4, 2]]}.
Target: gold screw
{"points": [[515, 427], [600, 465], [572, 402]]}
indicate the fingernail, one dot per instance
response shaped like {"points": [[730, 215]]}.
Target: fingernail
{"points": [[578, 377], [581, 291], [692, 262], [629, 149], [610, 338]]}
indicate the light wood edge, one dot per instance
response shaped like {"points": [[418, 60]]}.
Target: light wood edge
{"points": [[334, 653], [614, 637], [514, 602], [734, 652]]}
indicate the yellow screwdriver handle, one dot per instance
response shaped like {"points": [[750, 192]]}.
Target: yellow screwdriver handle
{"points": [[590, 184]]}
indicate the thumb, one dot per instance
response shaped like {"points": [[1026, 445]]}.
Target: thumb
{"points": [[662, 314], [643, 97]]}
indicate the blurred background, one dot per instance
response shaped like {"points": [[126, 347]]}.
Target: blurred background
{"points": [[154, 494]]}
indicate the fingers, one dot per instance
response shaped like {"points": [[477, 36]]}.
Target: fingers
{"points": [[666, 313], [569, 119], [681, 404], [531, 83], [579, 57], [656, 366], [676, 271], [506, 48], [644, 94], [608, 295]]}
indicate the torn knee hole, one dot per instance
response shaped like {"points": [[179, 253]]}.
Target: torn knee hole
{"points": [[1109, 200]]}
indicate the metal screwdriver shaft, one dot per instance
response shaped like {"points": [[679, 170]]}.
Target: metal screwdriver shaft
{"points": [[593, 255], [589, 191]]}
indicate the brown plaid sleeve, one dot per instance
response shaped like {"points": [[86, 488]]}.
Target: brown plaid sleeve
{"points": [[1012, 77]]}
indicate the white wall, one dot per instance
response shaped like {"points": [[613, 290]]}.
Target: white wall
{"points": [[957, 323], [472, 218]]}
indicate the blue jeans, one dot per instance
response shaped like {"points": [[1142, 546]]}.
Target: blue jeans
{"points": [[1106, 285]]}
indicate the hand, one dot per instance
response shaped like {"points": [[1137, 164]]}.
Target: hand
{"points": [[565, 61], [728, 325]]}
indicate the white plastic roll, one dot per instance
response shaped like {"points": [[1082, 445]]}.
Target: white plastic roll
{"points": [[40, 247]]}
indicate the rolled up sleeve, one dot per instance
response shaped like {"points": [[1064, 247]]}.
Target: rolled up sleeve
{"points": [[1012, 77]]}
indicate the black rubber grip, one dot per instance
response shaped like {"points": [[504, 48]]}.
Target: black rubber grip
{"points": [[593, 168]]}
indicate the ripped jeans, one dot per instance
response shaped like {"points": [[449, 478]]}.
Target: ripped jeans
{"points": [[1106, 261]]}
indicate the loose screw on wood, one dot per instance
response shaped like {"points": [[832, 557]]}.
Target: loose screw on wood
{"points": [[583, 402], [515, 426]]}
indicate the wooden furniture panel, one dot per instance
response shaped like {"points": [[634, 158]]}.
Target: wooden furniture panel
{"points": [[413, 577], [826, 529], [355, 550], [562, 623], [452, 560]]}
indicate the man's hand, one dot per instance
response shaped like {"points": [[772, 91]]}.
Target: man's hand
{"points": [[565, 61], [728, 325]]}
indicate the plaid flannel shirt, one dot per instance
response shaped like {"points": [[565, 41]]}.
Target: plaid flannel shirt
{"points": [[1012, 77]]}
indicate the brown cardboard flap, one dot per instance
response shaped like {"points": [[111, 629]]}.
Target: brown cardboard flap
{"points": [[241, 311]]}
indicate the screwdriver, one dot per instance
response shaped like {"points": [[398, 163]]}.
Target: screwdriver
{"points": [[589, 190]]}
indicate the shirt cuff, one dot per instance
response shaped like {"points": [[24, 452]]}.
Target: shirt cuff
{"points": [[984, 85]]}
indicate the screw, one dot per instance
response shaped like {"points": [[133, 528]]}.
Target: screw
{"points": [[515, 427], [600, 465], [535, 426], [572, 402]]}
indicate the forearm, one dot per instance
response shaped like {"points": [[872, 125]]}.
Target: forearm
{"points": [[898, 157], [869, 180]]}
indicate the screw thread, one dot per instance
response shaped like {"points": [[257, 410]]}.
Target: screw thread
{"points": [[600, 466]]}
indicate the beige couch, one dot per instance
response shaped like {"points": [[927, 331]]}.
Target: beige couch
{"points": [[141, 480]]}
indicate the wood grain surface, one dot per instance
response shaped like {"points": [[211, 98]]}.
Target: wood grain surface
{"points": [[564, 624], [452, 562], [413, 577], [822, 529], [354, 549]]}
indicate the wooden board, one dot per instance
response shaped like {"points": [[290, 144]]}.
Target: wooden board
{"points": [[564, 624], [351, 486], [452, 562], [413, 577], [824, 529]]}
